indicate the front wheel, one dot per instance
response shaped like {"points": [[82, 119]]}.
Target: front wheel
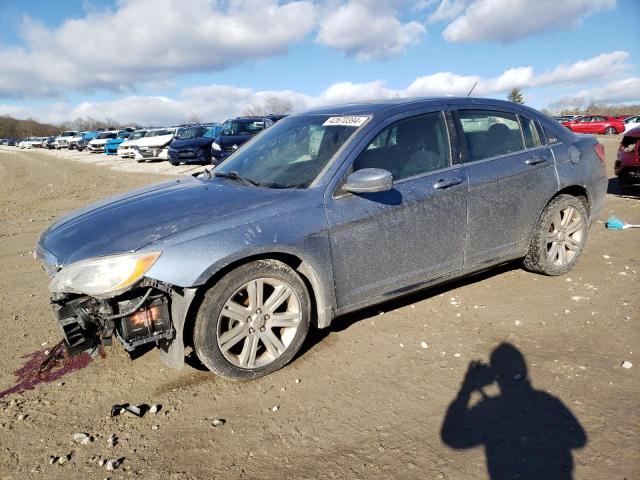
{"points": [[610, 131], [559, 237], [253, 321]]}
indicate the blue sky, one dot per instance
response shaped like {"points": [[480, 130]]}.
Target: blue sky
{"points": [[158, 61]]}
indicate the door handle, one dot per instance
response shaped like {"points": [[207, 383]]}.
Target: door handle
{"points": [[446, 183], [535, 160]]}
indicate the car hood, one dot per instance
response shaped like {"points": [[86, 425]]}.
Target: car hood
{"points": [[99, 141], [231, 140], [128, 222], [178, 144], [153, 141]]}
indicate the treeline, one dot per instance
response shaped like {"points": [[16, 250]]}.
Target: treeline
{"points": [[13, 128], [578, 106]]}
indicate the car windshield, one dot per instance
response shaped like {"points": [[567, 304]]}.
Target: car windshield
{"points": [[104, 135], [157, 133], [136, 135], [190, 132], [212, 132], [244, 127], [68, 134], [293, 152]]}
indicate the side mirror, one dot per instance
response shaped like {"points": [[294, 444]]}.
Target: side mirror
{"points": [[369, 180]]}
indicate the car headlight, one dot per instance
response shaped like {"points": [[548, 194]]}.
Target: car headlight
{"points": [[215, 146], [103, 275]]}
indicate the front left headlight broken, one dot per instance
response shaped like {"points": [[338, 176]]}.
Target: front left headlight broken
{"points": [[104, 275]]}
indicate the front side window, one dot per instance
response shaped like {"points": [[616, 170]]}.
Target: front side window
{"points": [[409, 147], [489, 133]]}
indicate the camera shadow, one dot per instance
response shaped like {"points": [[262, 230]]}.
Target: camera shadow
{"points": [[526, 433]]}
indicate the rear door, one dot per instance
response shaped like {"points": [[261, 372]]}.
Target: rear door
{"points": [[382, 243], [511, 177]]}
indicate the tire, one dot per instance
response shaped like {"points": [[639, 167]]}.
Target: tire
{"points": [[610, 131], [244, 355], [558, 239]]}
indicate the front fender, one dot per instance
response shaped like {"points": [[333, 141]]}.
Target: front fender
{"points": [[190, 259]]}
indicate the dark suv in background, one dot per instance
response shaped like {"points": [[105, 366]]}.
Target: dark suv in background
{"points": [[234, 133], [192, 144]]}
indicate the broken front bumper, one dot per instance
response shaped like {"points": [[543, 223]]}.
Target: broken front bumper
{"points": [[153, 313], [135, 319]]}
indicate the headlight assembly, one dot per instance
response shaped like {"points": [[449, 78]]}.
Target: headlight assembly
{"points": [[103, 275], [215, 146]]}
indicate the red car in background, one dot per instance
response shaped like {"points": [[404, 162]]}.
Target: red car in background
{"points": [[627, 166], [595, 124]]}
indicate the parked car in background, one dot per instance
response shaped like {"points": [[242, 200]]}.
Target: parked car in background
{"points": [[49, 143], [326, 212], [73, 141], [275, 117], [97, 144], [631, 122], [111, 147], [566, 118], [62, 140], [595, 124], [193, 144], [83, 143], [125, 149], [234, 133], [627, 165], [30, 142], [154, 145]]}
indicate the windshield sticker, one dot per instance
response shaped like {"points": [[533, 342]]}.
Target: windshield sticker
{"points": [[345, 121]]}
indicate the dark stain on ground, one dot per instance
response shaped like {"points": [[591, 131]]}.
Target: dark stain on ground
{"points": [[45, 366], [192, 379]]}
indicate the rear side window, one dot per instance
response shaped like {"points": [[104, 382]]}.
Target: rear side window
{"points": [[409, 147], [530, 133], [489, 133]]}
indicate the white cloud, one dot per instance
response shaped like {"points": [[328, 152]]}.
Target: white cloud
{"points": [[368, 30], [505, 21], [602, 66], [218, 102], [147, 40], [624, 91], [448, 9]]}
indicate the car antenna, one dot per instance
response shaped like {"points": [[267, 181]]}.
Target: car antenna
{"points": [[474, 86]]}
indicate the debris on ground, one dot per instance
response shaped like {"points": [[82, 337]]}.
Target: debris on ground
{"points": [[627, 364], [614, 223], [82, 438], [219, 422]]}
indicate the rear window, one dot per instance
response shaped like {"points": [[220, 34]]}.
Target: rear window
{"points": [[530, 133], [629, 144], [490, 133]]}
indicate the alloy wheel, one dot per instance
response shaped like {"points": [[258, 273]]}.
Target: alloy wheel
{"points": [[258, 322], [565, 236]]}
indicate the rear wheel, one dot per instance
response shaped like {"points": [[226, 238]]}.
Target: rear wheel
{"points": [[610, 131], [559, 237], [253, 321]]}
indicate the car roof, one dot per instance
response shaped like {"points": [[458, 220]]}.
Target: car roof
{"points": [[386, 106]]}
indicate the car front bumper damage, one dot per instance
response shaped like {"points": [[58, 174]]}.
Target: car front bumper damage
{"points": [[152, 313]]}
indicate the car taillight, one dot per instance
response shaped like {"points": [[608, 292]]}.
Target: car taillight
{"points": [[599, 148]]}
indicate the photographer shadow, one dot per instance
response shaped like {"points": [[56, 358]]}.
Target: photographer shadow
{"points": [[526, 433]]}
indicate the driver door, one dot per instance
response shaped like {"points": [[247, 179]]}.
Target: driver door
{"points": [[386, 242]]}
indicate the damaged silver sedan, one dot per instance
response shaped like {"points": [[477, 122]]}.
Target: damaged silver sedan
{"points": [[324, 213]]}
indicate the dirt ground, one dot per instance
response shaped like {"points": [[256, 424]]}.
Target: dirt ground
{"points": [[365, 399]]}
